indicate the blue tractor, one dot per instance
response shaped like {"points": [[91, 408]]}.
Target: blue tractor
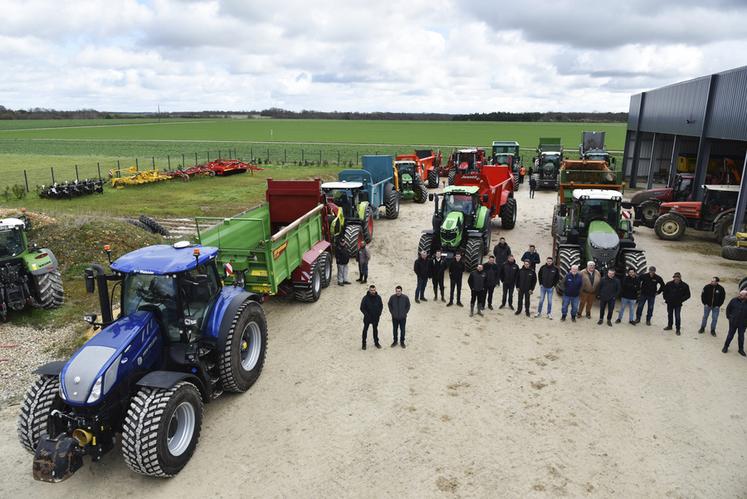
{"points": [[180, 340]]}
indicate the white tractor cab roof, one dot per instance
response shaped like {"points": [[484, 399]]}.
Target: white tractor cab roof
{"points": [[405, 162], [342, 185], [716, 187], [551, 153], [11, 223], [602, 194], [470, 150]]}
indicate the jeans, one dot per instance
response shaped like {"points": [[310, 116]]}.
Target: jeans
{"points": [[531, 192], [508, 292], [733, 328], [673, 310], [545, 292], [574, 301], [375, 324], [643, 300], [420, 288], [608, 305], [523, 299], [629, 303], [489, 291], [438, 283], [713, 312], [363, 270], [342, 273], [401, 324], [455, 283]]}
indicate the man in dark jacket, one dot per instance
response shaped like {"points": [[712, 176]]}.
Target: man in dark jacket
{"points": [[651, 284], [609, 288], [628, 295], [572, 285], [532, 185], [343, 258], [476, 282], [501, 252], [437, 269], [421, 271], [509, 270], [526, 280], [492, 273], [399, 306], [532, 256], [736, 314], [676, 292], [548, 276], [371, 307], [456, 270], [712, 298]]}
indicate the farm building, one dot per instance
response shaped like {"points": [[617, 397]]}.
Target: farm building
{"points": [[697, 126]]}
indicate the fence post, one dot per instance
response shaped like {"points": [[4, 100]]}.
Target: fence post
{"points": [[137, 165], [268, 155], [356, 158], [98, 169], [153, 160], [302, 158], [76, 173], [168, 161], [195, 159], [183, 162], [219, 154], [251, 153], [51, 168], [208, 156], [338, 158], [320, 156], [285, 155], [26, 180]]}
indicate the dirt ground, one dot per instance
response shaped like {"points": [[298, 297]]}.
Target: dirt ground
{"points": [[474, 407]]}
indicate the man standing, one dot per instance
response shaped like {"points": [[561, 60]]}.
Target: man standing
{"points": [[628, 295], [532, 186], [548, 277], [572, 289], [651, 284], [501, 252], [421, 271], [371, 307], [456, 270], [437, 269], [476, 282], [676, 292], [532, 256], [343, 258], [364, 256], [712, 297], [736, 314], [399, 306], [609, 288], [526, 280], [509, 271], [591, 278], [492, 275]]}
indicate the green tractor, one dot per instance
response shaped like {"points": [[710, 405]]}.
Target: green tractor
{"points": [[460, 224], [408, 181], [351, 217], [591, 227], [28, 274]]}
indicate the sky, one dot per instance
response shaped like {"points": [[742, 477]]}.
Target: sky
{"points": [[412, 56]]}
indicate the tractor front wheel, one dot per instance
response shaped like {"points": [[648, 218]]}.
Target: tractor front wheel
{"points": [[433, 179], [723, 228], [670, 226], [473, 253], [634, 259], [391, 201], [567, 257], [245, 348], [50, 290], [508, 214], [649, 211], [452, 176], [40, 400], [421, 193], [352, 239], [425, 244]]}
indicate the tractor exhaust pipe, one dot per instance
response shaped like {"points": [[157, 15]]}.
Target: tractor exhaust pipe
{"points": [[96, 277]]}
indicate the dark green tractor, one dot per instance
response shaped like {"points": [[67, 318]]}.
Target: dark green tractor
{"points": [[460, 224], [590, 227], [408, 182]]}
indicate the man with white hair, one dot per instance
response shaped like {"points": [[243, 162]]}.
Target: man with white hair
{"points": [[591, 279], [736, 313], [572, 289]]}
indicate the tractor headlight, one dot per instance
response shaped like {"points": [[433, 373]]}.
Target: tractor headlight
{"points": [[95, 391]]}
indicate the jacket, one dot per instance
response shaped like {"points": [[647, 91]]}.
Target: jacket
{"points": [[372, 306], [588, 287], [421, 267], [532, 182], [713, 296], [456, 269], [573, 285], [501, 253], [341, 255], [526, 279], [364, 256], [548, 276], [609, 288], [736, 312], [437, 268], [629, 288], [676, 294], [508, 274], [399, 306], [651, 286], [476, 280], [492, 273], [534, 258]]}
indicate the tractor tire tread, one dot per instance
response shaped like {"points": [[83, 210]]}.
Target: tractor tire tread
{"points": [[508, 214], [50, 289], [37, 404], [225, 363], [153, 225]]}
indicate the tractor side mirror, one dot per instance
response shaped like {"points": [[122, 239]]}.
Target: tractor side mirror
{"points": [[430, 197], [90, 281], [34, 247], [90, 319]]}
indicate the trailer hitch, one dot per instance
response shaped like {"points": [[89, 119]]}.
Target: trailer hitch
{"points": [[57, 459]]}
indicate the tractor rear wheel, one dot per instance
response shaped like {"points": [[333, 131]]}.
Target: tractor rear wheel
{"points": [[49, 287], [352, 239], [516, 181], [391, 201], [433, 179], [161, 429], [649, 211], [325, 263], [734, 253], [473, 253], [452, 176], [670, 226], [421, 193], [635, 259], [425, 244], [743, 284], [723, 228], [508, 214], [40, 400], [310, 291], [368, 225], [567, 257], [243, 354]]}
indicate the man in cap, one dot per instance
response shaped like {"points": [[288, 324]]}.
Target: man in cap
{"points": [[676, 292], [651, 284]]}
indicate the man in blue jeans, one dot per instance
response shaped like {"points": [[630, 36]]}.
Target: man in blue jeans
{"points": [[571, 293], [651, 284], [628, 295], [421, 269], [548, 277], [712, 297]]}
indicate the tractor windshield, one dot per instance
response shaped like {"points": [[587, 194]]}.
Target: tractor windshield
{"points": [[682, 188], [458, 202], [11, 243], [600, 209], [344, 199], [503, 159], [466, 157], [149, 292]]}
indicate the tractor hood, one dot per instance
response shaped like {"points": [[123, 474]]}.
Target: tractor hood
{"points": [[451, 229], [659, 193], [129, 343], [603, 244]]}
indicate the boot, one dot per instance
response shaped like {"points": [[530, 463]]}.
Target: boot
{"points": [[460, 304], [471, 311], [599, 322], [450, 303], [668, 328], [365, 280], [701, 330], [479, 310], [713, 332], [609, 323], [363, 347], [618, 321], [394, 343], [741, 352], [648, 322], [360, 279]]}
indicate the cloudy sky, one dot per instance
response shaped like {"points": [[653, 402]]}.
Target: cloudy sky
{"points": [[416, 55]]}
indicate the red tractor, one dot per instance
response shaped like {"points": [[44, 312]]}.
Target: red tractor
{"points": [[496, 191], [646, 203], [465, 162]]}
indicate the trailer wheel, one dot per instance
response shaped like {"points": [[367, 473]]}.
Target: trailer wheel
{"points": [[433, 179], [311, 290], [325, 262], [391, 200], [508, 214], [425, 244], [352, 239], [567, 257], [734, 253], [452, 176], [245, 348], [649, 211], [473, 253], [40, 400], [50, 290], [161, 429], [670, 226]]}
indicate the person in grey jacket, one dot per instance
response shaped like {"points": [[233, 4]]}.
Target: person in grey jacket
{"points": [[609, 288], [399, 306]]}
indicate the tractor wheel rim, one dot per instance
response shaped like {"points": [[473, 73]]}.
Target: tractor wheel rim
{"points": [[251, 345], [670, 228], [328, 269], [316, 282], [649, 212], [181, 429]]}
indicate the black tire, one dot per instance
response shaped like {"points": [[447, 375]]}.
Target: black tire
{"points": [[723, 228], [734, 253], [433, 179], [729, 241], [391, 202], [567, 257], [425, 244], [452, 175], [421, 193], [473, 253], [325, 263], [149, 422], [649, 211], [486, 240], [351, 239], [516, 181], [241, 362], [368, 232], [508, 214], [154, 226], [139, 225], [51, 294], [635, 259], [310, 291], [670, 226], [34, 420]]}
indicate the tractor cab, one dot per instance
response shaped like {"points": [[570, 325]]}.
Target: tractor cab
{"points": [[506, 153], [12, 237], [345, 195], [595, 215], [682, 187], [505, 159], [596, 155], [406, 171], [468, 160], [458, 211]]}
